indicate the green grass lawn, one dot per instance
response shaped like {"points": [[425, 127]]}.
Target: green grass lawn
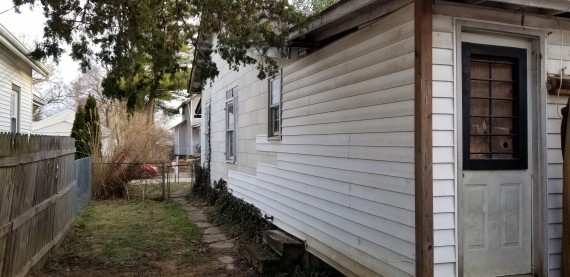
{"points": [[145, 238]]}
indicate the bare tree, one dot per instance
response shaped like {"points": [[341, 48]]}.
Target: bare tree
{"points": [[53, 90], [89, 83], [55, 93]]}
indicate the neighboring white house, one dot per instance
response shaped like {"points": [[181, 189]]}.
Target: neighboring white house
{"points": [[390, 143], [16, 97], [59, 124], [187, 132]]}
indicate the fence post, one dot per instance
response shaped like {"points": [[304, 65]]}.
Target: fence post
{"points": [[168, 184], [163, 180]]}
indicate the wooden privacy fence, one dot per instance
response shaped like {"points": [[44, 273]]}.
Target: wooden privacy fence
{"points": [[36, 181]]}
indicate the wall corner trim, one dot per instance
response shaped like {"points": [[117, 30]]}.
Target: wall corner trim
{"points": [[423, 151]]}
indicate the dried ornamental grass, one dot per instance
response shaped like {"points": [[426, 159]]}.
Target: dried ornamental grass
{"points": [[131, 142]]}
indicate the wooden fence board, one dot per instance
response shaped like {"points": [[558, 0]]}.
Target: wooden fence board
{"points": [[35, 199], [6, 229]]}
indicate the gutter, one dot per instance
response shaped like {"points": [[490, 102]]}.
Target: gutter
{"points": [[333, 14], [562, 6], [38, 100], [14, 45]]}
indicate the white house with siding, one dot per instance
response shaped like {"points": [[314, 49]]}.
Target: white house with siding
{"points": [[187, 132], [411, 137], [16, 97]]}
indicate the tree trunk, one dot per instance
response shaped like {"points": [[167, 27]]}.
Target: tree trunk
{"points": [[150, 110], [566, 193]]}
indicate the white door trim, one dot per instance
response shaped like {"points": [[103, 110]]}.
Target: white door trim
{"points": [[537, 132]]}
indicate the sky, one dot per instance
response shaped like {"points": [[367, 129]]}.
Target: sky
{"points": [[30, 24]]}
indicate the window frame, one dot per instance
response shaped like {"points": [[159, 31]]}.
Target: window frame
{"points": [[519, 55], [207, 133], [15, 116], [231, 98], [271, 133]]}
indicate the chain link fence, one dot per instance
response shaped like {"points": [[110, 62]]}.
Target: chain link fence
{"points": [[82, 188], [130, 180], [179, 178], [158, 180], [149, 181]]}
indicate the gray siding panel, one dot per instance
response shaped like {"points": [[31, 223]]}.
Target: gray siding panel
{"points": [[342, 177]]}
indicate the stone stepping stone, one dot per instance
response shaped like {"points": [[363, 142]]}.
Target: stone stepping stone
{"points": [[222, 244], [212, 231], [230, 267], [214, 238], [197, 216], [191, 209], [203, 224], [226, 259]]}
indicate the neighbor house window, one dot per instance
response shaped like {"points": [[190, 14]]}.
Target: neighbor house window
{"points": [[15, 109], [494, 107], [231, 116], [274, 119]]}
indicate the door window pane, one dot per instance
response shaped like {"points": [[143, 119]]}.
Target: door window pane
{"points": [[495, 106], [492, 108]]}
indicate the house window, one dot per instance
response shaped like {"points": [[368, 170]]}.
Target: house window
{"points": [[494, 107], [274, 119], [207, 133], [15, 109], [231, 118]]}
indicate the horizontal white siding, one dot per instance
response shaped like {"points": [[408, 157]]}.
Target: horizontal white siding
{"points": [[251, 119], [443, 90], [17, 72], [554, 152], [444, 183], [342, 176]]}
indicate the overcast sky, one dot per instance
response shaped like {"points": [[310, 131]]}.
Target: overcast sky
{"points": [[30, 24]]}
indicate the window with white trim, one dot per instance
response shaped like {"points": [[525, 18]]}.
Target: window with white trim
{"points": [[15, 109], [274, 119], [207, 133], [231, 119]]}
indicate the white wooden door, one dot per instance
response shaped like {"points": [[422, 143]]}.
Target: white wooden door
{"points": [[496, 207], [496, 221]]}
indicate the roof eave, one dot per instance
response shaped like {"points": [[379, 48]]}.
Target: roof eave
{"points": [[14, 45], [341, 19], [38, 101], [204, 42], [549, 8]]}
